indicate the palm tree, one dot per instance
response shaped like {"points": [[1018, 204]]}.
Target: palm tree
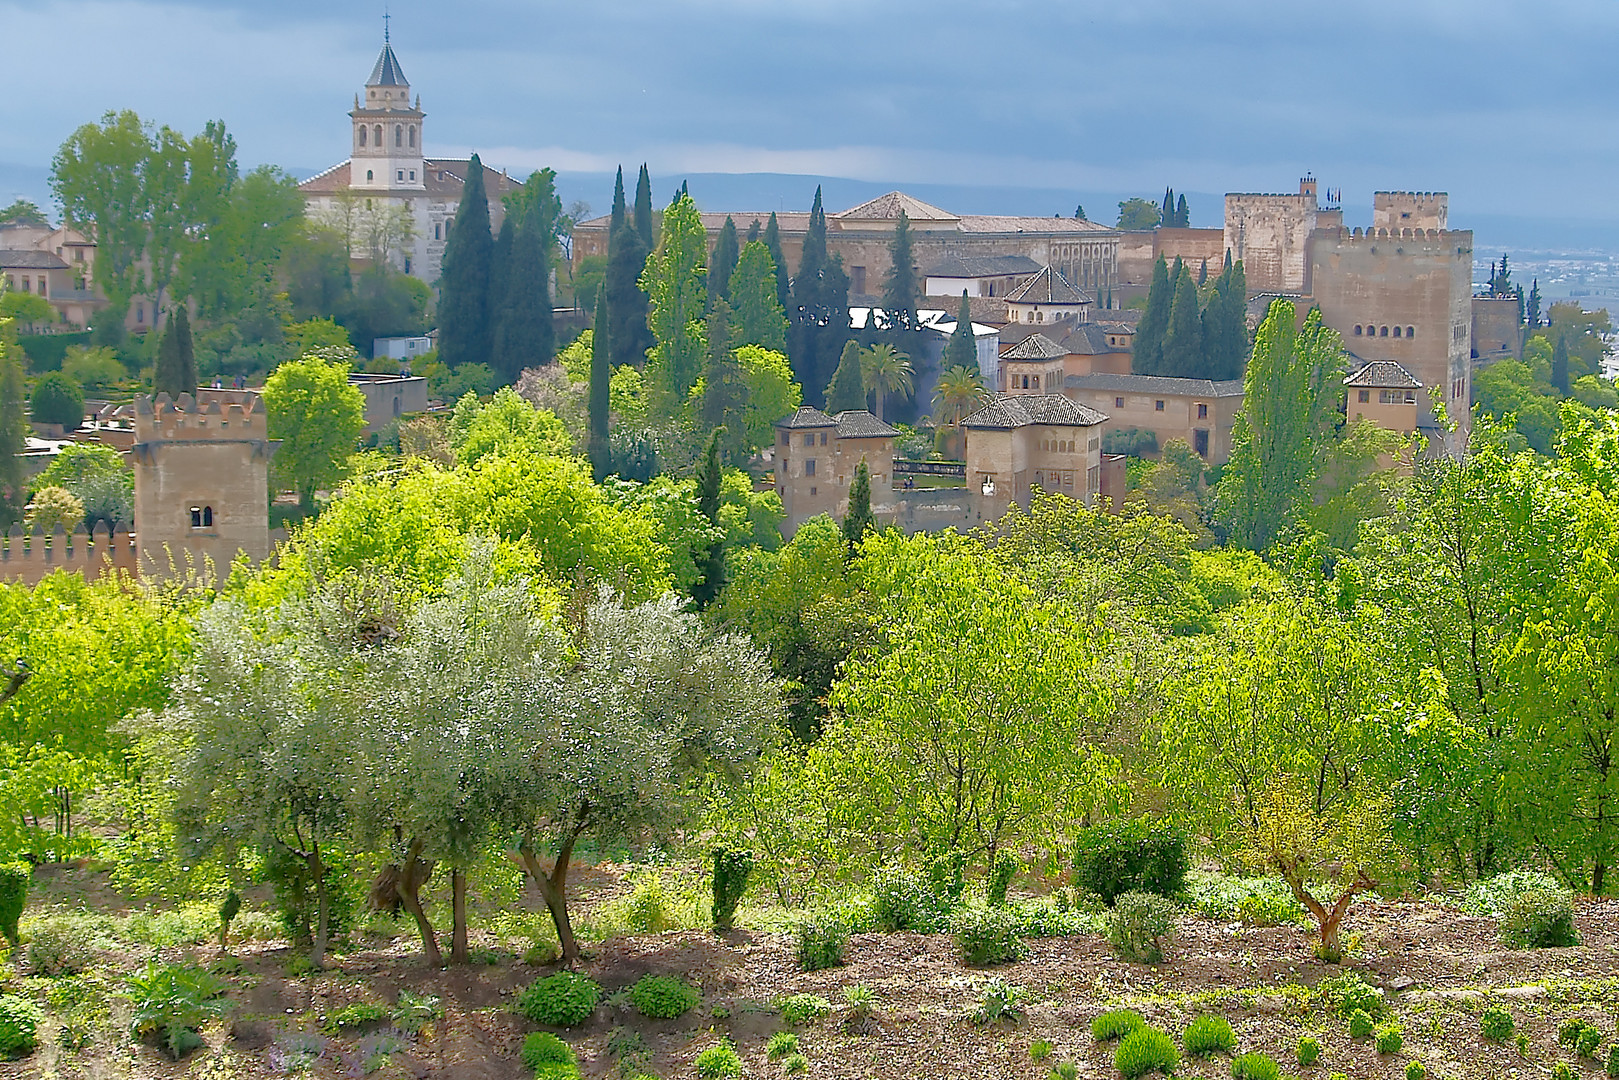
{"points": [[959, 393], [887, 371]]}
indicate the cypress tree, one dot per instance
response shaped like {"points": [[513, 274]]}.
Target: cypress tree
{"points": [[628, 337], [463, 309], [710, 560], [1183, 339], [1183, 216], [13, 430], [772, 239], [899, 291], [1560, 364], [643, 209], [1203, 274], [525, 336], [600, 400], [1147, 353], [603, 338], [175, 372], [500, 266], [1166, 214], [722, 263], [618, 204], [1533, 315], [858, 521], [806, 313], [725, 393], [753, 232], [962, 348], [758, 318], [847, 389]]}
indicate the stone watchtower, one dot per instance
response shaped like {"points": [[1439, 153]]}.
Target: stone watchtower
{"points": [[201, 481], [387, 148]]}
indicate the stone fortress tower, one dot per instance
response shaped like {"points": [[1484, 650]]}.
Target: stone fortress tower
{"points": [[201, 481]]}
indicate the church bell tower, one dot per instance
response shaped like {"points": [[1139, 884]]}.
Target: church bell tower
{"points": [[387, 148]]}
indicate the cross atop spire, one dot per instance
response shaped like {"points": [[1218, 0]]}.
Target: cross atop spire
{"points": [[385, 28]]}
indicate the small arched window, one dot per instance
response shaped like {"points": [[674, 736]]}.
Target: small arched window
{"points": [[362, 134], [399, 135], [413, 136], [377, 131], [1410, 331], [369, 175], [1357, 329], [1396, 331], [202, 517], [1384, 332]]}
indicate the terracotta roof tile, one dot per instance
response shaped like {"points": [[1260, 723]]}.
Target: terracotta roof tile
{"points": [[807, 417], [1383, 374], [1048, 287], [1015, 411], [1155, 384]]}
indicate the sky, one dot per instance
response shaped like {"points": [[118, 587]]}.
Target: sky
{"points": [[1508, 106]]}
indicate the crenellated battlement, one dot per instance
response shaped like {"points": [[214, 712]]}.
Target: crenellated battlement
{"points": [[165, 419], [1416, 241], [1410, 209], [27, 556]]}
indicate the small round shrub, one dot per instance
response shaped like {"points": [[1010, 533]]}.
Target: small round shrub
{"points": [[719, 1062], [662, 997], [1416, 1070], [986, 936], [1209, 1035], [1568, 1032], [802, 1008], [565, 999], [1586, 1045], [902, 900], [543, 1048], [1146, 1050], [1255, 1066], [1140, 855], [1309, 1050], [821, 943], [19, 1026], [1346, 993], [57, 947], [14, 879], [1116, 1024], [1496, 1024], [1538, 919], [794, 1064], [1361, 1024], [781, 1044], [1000, 1000], [1389, 1039], [1140, 920], [57, 399], [1065, 1070], [1561, 1071], [1613, 1060], [1040, 1049]]}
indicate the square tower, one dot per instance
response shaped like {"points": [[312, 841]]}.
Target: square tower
{"points": [[387, 148]]}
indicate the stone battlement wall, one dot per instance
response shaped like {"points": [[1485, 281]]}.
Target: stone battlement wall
{"points": [[161, 418], [1410, 209], [28, 557]]}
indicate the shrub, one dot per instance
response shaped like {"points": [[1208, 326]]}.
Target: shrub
{"points": [[718, 1062], [411, 1013], [541, 1049], [355, 1015], [986, 936], [170, 1002], [57, 399], [662, 997], [1208, 1035], [1496, 1024], [1348, 992], [947, 877], [1255, 901], [1416, 1070], [781, 1044], [795, 1064], [57, 947], [1569, 1031], [1140, 855], [19, 1026], [1538, 919], [1587, 1042], [1389, 1040], [565, 999], [14, 879], [731, 872], [650, 908], [999, 1001], [902, 900], [860, 1000], [1309, 1050], [1361, 1024], [821, 942], [1613, 1060], [1067, 1070], [1255, 1066], [1561, 1071], [1490, 896], [1001, 873], [1269, 909], [1116, 1024], [801, 1008], [1040, 1049], [1146, 1050], [1140, 919]]}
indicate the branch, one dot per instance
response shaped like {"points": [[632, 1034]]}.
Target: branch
{"points": [[18, 675]]}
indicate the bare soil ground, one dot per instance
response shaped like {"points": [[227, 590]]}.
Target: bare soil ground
{"points": [[1441, 969]]}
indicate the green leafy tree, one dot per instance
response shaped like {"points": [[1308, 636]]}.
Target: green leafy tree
{"points": [[13, 429], [317, 416], [673, 282], [899, 288], [771, 393], [1138, 214], [464, 308], [97, 176], [722, 264], [772, 243], [848, 387], [725, 389], [1147, 353], [176, 370], [1508, 390], [1182, 353], [23, 212], [886, 371], [1281, 435], [57, 399], [505, 424], [759, 319], [858, 521], [962, 348], [30, 309]]}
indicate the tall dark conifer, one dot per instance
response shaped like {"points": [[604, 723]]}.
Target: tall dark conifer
{"points": [[600, 400], [722, 262], [847, 390], [1560, 364], [175, 371], [1183, 339], [463, 308], [962, 348], [627, 333], [806, 312], [1532, 314], [858, 521], [500, 266], [643, 210], [525, 336], [725, 393], [1166, 214], [899, 290], [772, 239], [1183, 216], [753, 233], [710, 560], [1147, 354]]}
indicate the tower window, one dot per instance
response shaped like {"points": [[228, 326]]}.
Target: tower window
{"points": [[401, 174], [1385, 332], [413, 136], [1158, 406], [1357, 329], [202, 517], [438, 231], [369, 175], [378, 132], [1396, 331], [362, 134], [1410, 331]]}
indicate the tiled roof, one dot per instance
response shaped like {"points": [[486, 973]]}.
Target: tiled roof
{"points": [[453, 171], [860, 424], [807, 417], [953, 264], [1035, 347], [1155, 384], [387, 72], [1048, 287], [887, 207], [1383, 373], [1086, 339], [989, 310], [996, 223], [1015, 411], [1118, 317], [31, 260]]}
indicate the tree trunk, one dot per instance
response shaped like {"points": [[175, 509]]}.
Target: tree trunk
{"points": [[323, 909], [554, 888], [401, 886], [1599, 874], [458, 907]]}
